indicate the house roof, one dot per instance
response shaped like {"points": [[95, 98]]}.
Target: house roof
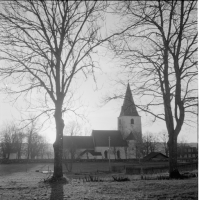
{"points": [[79, 142], [101, 138], [128, 108], [153, 155]]}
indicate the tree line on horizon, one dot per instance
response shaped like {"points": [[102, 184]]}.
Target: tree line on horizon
{"points": [[25, 143]]}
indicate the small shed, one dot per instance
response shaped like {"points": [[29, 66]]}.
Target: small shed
{"points": [[155, 156]]}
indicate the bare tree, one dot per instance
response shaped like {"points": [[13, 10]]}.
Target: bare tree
{"points": [[35, 142], [11, 140], [150, 143], [49, 151], [7, 138], [71, 152], [73, 128], [19, 143], [43, 148], [183, 148], [164, 137], [159, 53], [45, 44]]}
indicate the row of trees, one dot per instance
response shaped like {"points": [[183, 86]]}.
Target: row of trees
{"points": [[153, 142], [149, 142], [25, 143]]}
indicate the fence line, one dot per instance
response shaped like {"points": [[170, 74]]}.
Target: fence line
{"points": [[158, 169]]}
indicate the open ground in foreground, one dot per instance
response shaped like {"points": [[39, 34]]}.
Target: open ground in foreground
{"points": [[29, 185]]}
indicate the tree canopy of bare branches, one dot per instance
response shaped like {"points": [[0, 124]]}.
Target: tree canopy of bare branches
{"points": [[24, 142], [44, 45], [150, 143], [11, 139], [159, 55], [164, 137], [72, 128], [35, 142]]}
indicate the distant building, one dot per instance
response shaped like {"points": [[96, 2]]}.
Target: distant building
{"points": [[122, 141], [156, 156], [185, 151]]}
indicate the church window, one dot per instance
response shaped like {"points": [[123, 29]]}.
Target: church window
{"points": [[132, 121], [118, 154]]}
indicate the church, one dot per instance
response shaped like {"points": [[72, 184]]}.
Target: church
{"points": [[114, 144]]}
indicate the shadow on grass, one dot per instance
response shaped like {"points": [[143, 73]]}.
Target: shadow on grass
{"points": [[57, 192]]}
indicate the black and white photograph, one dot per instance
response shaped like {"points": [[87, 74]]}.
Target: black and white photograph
{"points": [[98, 100]]}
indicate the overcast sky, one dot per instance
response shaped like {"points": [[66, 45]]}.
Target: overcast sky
{"points": [[97, 116]]}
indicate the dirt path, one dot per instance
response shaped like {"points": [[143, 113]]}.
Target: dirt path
{"points": [[22, 186]]}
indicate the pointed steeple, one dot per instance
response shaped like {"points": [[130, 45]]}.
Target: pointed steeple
{"points": [[128, 108]]}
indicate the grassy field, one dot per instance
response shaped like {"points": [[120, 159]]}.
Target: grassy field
{"points": [[21, 181], [77, 167]]}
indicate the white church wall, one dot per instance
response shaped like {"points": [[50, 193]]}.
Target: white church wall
{"points": [[131, 149], [113, 152], [75, 154], [125, 126], [13, 156]]}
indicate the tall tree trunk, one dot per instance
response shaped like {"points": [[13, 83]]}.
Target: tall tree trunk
{"points": [[172, 152], [58, 145]]}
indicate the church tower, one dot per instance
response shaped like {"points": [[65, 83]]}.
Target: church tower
{"points": [[129, 122]]}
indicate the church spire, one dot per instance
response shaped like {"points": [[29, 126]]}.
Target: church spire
{"points": [[128, 108]]}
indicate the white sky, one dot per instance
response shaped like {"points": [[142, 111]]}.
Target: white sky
{"points": [[98, 117]]}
